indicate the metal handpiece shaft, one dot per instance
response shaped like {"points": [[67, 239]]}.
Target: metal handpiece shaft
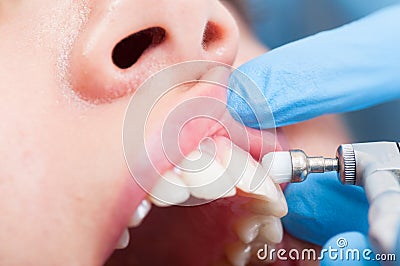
{"points": [[322, 165], [302, 165]]}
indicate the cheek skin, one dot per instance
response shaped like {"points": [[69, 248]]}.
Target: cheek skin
{"points": [[65, 182], [63, 176], [64, 186]]}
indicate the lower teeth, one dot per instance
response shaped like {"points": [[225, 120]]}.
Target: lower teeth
{"points": [[141, 212], [271, 230], [124, 240], [238, 254]]}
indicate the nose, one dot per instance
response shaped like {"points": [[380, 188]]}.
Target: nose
{"points": [[125, 41]]}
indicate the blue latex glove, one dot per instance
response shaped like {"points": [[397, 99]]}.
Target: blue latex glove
{"points": [[345, 69], [321, 207], [345, 242], [359, 243]]}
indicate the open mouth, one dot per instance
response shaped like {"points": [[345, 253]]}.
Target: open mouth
{"points": [[225, 220]]}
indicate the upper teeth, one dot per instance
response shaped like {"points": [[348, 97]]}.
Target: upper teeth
{"points": [[211, 182], [252, 176], [205, 176], [170, 189]]}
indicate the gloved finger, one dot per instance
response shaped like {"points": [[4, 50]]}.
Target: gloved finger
{"points": [[352, 248], [322, 207], [345, 69]]}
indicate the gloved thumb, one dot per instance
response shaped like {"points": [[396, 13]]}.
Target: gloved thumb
{"points": [[351, 248], [345, 69]]}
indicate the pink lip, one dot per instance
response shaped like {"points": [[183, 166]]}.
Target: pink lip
{"points": [[166, 152], [256, 142]]}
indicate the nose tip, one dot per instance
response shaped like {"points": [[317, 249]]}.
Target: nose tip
{"points": [[116, 51]]}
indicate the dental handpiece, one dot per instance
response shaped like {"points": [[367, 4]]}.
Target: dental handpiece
{"points": [[375, 166]]}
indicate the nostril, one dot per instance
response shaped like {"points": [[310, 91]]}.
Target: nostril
{"points": [[212, 34], [128, 51]]}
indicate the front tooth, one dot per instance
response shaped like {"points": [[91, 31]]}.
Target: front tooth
{"points": [[210, 181], [141, 211], [169, 190], [250, 173], [247, 228], [271, 230], [238, 253], [277, 208], [267, 190], [124, 240]]}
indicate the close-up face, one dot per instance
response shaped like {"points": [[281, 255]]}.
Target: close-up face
{"points": [[69, 70]]}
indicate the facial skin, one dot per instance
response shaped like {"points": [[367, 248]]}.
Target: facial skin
{"points": [[65, 191]]}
